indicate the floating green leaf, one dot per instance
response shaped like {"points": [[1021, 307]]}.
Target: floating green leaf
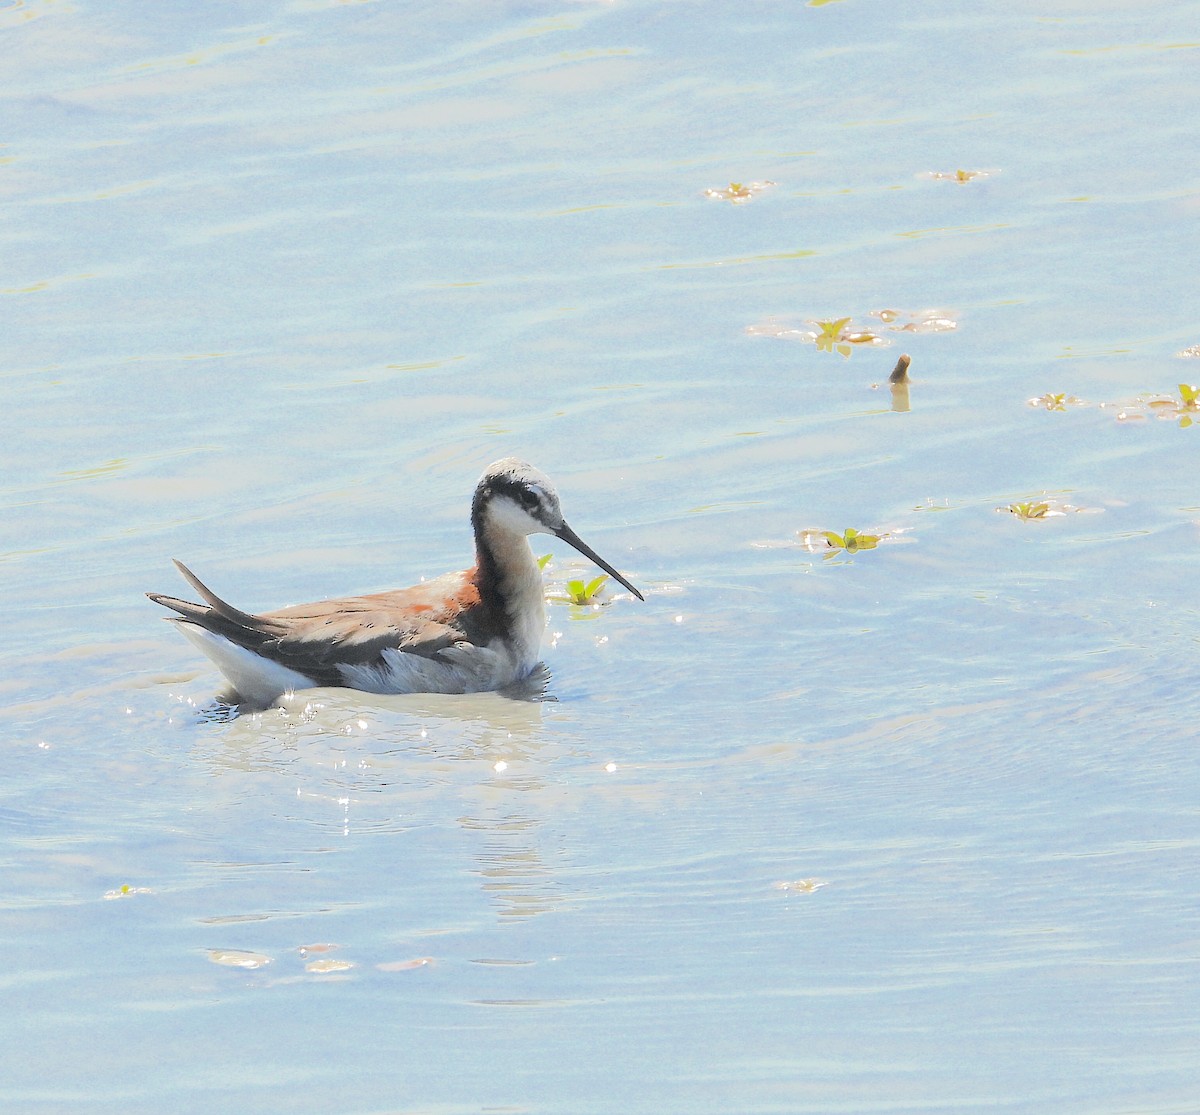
{"points": [[958, 175], [1183, 406], [582, 592], [1030, 510], [739, 192], [832, 330], [830, 338], [801, 886], [850, 540], [1056, 400], [126, 891]]}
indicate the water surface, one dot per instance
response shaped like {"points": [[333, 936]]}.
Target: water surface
{"points": [[910, 829]]}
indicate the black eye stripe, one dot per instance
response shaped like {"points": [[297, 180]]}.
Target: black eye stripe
{"points": [[518, 491]]}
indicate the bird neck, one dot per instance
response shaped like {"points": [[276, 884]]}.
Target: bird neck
{"points": [[509, 579]]}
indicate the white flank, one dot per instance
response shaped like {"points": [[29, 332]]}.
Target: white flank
{"points": [[257, 680]]}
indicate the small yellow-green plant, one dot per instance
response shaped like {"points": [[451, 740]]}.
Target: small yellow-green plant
{"points": [[959, 175], [1056, 400], [583, 592], [835, 336], [1183, 406], [739, 192], [830, 337], [1189, 403], [578, 592], [126, 891], [1031, 510], [850, 540]]}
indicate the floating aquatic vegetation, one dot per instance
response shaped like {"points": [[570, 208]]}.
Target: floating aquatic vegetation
{"points": [[126, 891], [830, 544], [1038, 509], [583, 592], [850, 541], [957, 175], [739, 192], [577, 591], [920, 321], [772, 327], [1190, 352], [1185, 407], [834, 335], [830, 338], [801, 886], [328, 965], [842, 335], [238, 958], [1030, 510], [1059, 401], [831, 330]]}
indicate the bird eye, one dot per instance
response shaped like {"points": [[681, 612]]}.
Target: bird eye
{"points": [[529, 499]]}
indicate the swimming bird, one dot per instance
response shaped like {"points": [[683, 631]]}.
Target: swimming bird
{"points": [[467, 632]]}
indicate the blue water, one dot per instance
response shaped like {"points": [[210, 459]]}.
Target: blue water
{"points": [[910, 829]]}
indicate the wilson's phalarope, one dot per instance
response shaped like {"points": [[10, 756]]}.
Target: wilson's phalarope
{"points": [[460, 633]]}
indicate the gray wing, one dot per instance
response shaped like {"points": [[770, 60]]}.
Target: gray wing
{"points": [[315, 639]]}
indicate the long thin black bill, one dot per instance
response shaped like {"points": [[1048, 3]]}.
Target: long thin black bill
{"points": [[569, 536]]}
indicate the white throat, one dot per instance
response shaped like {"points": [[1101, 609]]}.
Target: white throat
{"points": [[520, 584]]}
